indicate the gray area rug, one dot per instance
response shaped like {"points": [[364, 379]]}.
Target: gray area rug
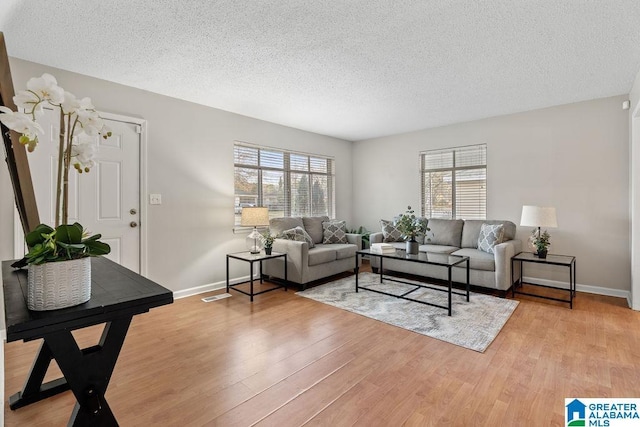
{"points": [[473, 325]]}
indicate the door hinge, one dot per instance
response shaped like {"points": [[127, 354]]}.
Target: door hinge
{"points": [[138, 129]]}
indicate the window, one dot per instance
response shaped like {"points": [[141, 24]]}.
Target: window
{"points": [[288, 183], [454, 182]]}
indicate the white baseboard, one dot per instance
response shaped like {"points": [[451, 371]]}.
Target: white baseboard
{"points": [[599, 290], [209, 287]]}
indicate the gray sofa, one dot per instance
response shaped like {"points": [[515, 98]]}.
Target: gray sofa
{"points": [[460, 237], [305, 264]]}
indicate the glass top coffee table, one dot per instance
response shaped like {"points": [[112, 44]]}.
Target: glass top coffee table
{"points": [[445, 260]]}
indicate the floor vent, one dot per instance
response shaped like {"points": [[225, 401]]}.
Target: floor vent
{"points": [[216, 297]]}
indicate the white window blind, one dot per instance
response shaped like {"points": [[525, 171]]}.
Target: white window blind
{"points": [[288, 183], [454, 182]]}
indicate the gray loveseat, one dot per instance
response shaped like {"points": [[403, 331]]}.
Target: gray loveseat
{"points": [[460, 237], [304, 263]]}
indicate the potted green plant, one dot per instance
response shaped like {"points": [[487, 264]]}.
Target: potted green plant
{"points": [[541, 241], [410, 226], [64, 243], [366, 234], [59, 270], [267, 241]]}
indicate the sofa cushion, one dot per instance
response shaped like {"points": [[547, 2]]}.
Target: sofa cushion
{"points": [[344, 251], [490, 235], [443, 249], [390, 232], [334, 232], [313, 226], [478, 260], [278, 225], [471, 231], [445, 232], [299, 235], [322, 254]]}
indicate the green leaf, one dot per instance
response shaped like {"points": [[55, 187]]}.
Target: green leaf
{"points": [[95, 248], [72, 245], [36, 236], [69, 233]]}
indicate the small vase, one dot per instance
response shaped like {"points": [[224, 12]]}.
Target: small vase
{"points": [[412, 247], [267, 251], [542, 254], [55, 285]]}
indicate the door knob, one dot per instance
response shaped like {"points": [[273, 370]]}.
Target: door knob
{"points": [[133, 211], [133, 224]]}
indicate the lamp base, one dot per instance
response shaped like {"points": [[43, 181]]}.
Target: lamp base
{"points": [[254, 241]]}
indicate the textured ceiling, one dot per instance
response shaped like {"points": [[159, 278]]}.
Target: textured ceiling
{"points": [[351, 69]]}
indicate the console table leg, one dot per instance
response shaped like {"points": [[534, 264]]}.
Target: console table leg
{"points": [[34, 390], [79, 368]]}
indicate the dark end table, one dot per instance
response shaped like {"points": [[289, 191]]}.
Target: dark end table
{"points": [[251, 258], [567, 261]]}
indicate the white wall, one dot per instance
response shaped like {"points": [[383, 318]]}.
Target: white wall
{"points": [[573, 157], [190, 162]]}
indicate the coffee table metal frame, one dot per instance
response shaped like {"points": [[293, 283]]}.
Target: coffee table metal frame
{"points": [[422, 258]]}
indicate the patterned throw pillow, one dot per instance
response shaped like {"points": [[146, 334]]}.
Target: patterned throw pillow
{"points": [[390, 232], [299, 235], [334, 232], [490, 235]]}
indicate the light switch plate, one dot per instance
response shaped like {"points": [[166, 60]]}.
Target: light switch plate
{"points": [[155, 199]]}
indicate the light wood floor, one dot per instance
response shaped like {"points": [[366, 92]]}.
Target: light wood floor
{"points": [[289, 361]]}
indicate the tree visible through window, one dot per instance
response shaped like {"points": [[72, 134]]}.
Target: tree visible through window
{"points": [[288, 183], [454, 182]]}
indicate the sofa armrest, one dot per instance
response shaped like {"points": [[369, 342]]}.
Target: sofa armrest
{"points": [[376, 237], [502, 256], [297, 253], [355, 239]]}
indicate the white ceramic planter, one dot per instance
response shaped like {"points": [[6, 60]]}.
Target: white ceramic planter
{"points": [[55, 285]]}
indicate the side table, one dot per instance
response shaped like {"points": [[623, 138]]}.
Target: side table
{"points": [[251, 259], [568, 261]]}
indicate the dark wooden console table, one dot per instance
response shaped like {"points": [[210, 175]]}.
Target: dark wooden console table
{"points": [[117, 294]]}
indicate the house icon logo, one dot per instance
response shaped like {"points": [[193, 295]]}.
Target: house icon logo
{"points": [[576, 413]]}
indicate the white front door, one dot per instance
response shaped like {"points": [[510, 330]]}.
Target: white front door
{"points": [[107, 199]]}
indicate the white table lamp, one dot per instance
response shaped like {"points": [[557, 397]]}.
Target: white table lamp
{"points": [[538, 216], [254, 217]]}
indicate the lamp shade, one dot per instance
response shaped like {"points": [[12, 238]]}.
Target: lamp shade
{"points": [[538, 216], [254, 217]]}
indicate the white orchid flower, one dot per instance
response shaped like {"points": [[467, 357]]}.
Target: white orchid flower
{"points": [[22, 123], [46, 87], [90, 121], [86, 104], [70, 104], [28, 101], [82, 152], [105, 132], [77, 139]]}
